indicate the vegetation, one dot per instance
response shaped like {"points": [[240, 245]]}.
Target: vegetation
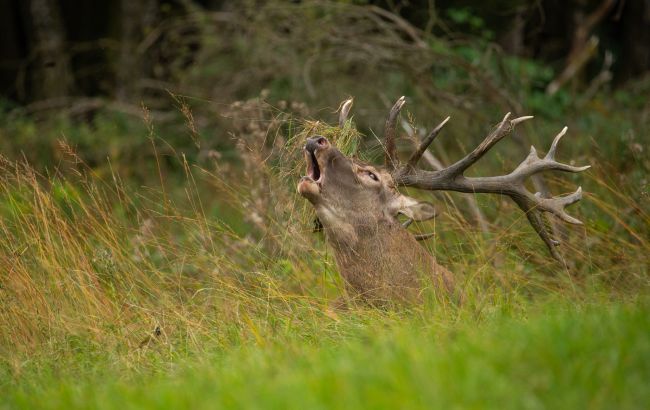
{"points": [[155, 253], [557, 358]]}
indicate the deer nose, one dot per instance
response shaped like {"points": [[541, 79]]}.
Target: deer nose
{"points": [[315, 142]]}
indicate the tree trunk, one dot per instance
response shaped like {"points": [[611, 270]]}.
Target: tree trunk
{"points": [[635, 53], [52, 76], [136, 18]]}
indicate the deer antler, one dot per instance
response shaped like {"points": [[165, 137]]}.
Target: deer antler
{"points": [[390, 134], [344, 111], [512, 184]]}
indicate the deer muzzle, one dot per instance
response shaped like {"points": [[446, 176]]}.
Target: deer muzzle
{"points": [[314, 148], [309, 185]]}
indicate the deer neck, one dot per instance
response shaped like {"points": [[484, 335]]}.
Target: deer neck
{"points": [[379, 259]]}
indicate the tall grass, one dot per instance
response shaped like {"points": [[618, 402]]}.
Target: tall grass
{"points": [[94, 268]]}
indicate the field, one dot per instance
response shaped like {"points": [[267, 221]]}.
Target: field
{"points": [[194, 291], [554, 356], [154, 252]]}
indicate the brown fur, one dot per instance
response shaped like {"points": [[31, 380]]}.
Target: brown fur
{"points": [[386, 264], [380, 261]]}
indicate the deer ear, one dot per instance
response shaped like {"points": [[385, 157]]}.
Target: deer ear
{"points": [[412, 208]]}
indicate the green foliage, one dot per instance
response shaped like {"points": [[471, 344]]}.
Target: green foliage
{"points": [[469, 22], [184, 216], [223, 261], [558, 357]]}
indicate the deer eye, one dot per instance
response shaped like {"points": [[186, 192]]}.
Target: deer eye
{"points": [[373, 176]]}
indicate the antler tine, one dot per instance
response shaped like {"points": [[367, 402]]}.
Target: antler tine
{"points": [[521, 119], [551, 151], [512, 184], [390, 133], [345, 110], [533, 164], [557, 204], [424, 236], [417, 154], [495, 136], [418, 237]]}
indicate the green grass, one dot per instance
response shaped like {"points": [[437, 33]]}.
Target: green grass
{"points": [[193, 225], [556, 356], [221, 256]]}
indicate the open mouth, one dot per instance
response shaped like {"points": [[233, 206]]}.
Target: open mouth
{"points": [[313, 170]]}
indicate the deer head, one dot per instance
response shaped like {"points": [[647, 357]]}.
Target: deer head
{"points": [[351, 196], [358, 203]]}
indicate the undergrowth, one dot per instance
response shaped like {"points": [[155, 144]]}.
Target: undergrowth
{"points": [[200, 287]]}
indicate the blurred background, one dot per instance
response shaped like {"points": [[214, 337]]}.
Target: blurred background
{"points": [[223, 50], [81, 62]]}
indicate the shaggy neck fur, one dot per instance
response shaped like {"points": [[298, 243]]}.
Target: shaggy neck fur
{"points": [[381, 261]]}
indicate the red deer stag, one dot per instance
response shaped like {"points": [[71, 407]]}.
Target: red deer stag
{"points": [[358, 204]]}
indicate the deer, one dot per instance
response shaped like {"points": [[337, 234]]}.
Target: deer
{"points": [[358, 205]]}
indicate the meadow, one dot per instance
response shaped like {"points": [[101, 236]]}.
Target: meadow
{"points": [[154, 252], [209, 288]]}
